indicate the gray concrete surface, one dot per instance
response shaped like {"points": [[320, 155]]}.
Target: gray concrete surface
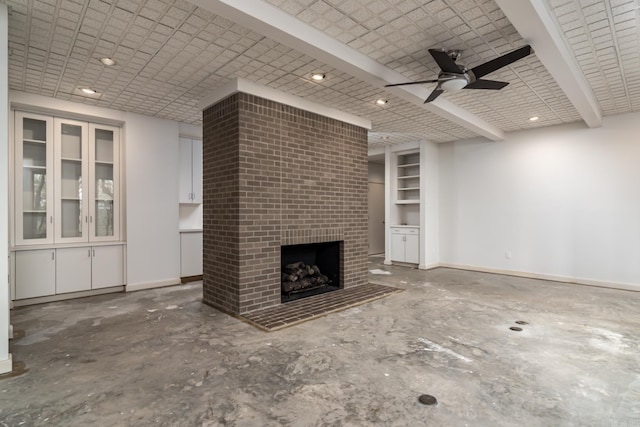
{"points": [[161, 357]]}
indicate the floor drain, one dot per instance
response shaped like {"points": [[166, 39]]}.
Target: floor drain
{"points": [[427, 399], [521, 322], [515, 328]]}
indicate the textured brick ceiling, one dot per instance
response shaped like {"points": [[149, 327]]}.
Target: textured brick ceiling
{"points": [[170, 54]]}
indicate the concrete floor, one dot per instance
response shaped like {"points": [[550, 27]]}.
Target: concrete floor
{"points": [[161, 357]]}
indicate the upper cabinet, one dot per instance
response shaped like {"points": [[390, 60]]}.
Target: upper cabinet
{"points": [[190, 171], [33, 179], [104, 172], [68, 189]]}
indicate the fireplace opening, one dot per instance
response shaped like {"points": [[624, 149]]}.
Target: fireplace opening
{"points": [[309, 269]]}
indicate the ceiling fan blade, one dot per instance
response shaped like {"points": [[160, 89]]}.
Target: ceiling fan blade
{"points": [[486, 84], [433, 95], [501, 61], [412, 83], [444, 61]]}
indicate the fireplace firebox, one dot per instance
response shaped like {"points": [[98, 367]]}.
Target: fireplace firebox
{"points": [[310, 269]]}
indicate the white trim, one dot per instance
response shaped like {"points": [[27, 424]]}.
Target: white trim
{"points": [[66, 296], [5, 193], [245, 86], [428, 266], [550, 277], [6, 365], [71, 110], [132, 287]]}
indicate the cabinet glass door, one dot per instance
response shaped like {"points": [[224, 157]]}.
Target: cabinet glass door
{"points": [[71, 177], [104, 210], [34, 219]]}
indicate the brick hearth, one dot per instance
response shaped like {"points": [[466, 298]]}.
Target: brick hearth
{"points": [[277, 175]]}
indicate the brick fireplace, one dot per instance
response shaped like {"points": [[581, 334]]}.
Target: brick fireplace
{"points": [[277, 175]]}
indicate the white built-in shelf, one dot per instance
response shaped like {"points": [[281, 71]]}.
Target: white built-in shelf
{"points": [[407, 165], [37, 141], [34, 167], [408, 179], [70, 159]]}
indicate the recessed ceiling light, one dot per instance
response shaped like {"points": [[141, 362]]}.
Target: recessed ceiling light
{"points": [[534, 119], [89, 91], [318, 76], [381, 101], [107, 61]]}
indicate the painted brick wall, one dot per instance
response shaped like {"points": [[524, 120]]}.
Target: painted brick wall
{"points": [[276, 175]]}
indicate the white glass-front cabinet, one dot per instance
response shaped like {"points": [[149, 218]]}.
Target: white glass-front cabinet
{"points": [[67, 201], [71, 175], [33, 179], [103, 175], [68, 189]]}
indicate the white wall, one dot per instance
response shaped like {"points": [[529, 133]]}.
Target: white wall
{"points": [[153, 242], [5, 357], [562, 201], [429, 205], [150, 172]]}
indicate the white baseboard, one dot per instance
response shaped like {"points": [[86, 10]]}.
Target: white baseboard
{"points": [[132, 287], [428, 266], [6, 365], [70, 295], [10, 331], [551, 277]]}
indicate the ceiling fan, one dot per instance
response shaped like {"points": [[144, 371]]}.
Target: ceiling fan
{"points": [[454, 77]]}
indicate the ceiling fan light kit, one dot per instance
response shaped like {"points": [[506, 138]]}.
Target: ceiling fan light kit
{"points": [[454, 77]]}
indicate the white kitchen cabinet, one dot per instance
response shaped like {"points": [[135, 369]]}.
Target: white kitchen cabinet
{"points": [[33, 160], [48, 272], [190, 153], [107, 266], [104, 183], [67, 184], [67, 201], [190, 253], [405, 246], [73, 270], [35, 273], [71, 181]]}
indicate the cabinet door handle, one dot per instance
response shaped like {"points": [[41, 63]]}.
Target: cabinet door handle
{"points": [[89, 253], [51, 219], [86, 218], [94, 252], [53, 255]]}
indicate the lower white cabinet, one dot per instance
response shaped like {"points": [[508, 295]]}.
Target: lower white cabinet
{"points": [[190, 254], [36, 273], [405, 244], [73, 270], [107, 267], [47, 272]]}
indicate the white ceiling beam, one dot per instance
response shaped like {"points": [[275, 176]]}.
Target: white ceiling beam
{"points": [[277, 25], [535, 24]]}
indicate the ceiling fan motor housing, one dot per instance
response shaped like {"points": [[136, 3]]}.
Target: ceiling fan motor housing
{"points": [[453, 82]]}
